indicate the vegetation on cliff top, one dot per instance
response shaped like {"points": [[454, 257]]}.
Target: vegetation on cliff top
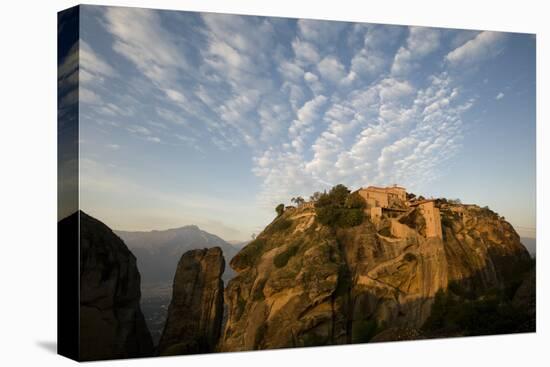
{"points": [[340, 208]]}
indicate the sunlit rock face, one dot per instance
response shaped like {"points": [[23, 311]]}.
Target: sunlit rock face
{"points": [[300, 283]]}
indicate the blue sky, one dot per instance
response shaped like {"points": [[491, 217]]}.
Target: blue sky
{"points": [[208, 119]]}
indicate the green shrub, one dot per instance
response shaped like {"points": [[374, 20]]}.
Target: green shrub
{"points": [[327, 215], [386, 232], [260, 335], [350, 217], [409, 257], [280, 209], [279, 225], [249, 254], [241, 304], [258, 294], [364, 330], [489, 314], [323, 200], [178, 349], [311, 339], [281, 259], [344, 282]]}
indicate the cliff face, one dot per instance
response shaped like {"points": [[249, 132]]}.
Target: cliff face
{"points": [[300, 283], [111, 322], [195, 313]]}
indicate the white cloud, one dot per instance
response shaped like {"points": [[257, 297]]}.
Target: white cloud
{"points": [[175, 95], [138, 129], [92, 63], [331, 69], [141, 38], [306, 115], [368, 63], [319, 31], [153, 139], [388, 132], [305, 52], [86, 95], [484, 45], [499, 96], [314, 83], [392, 90], [421, 42], [291, 71], [310, 77]]}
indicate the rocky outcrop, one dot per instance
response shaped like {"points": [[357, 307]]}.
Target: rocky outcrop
{"points": [[111, 322], [195, 313], [300, 283]]}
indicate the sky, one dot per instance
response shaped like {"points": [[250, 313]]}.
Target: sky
{"points": [[211, 119]]}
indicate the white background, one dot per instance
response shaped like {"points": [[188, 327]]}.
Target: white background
{"points": [[28, 182]]}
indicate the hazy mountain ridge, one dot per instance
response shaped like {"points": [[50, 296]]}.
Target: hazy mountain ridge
{"points": [[158, 251], [530, 244]]}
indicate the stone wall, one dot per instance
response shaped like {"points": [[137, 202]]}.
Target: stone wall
{"points": [[433, 219]]}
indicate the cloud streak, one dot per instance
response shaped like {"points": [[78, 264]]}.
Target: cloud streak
{"points": [[484, 46]]}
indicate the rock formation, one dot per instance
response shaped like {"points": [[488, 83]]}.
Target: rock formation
{"points": [[195, 313], [111, 322], [301, 283]]}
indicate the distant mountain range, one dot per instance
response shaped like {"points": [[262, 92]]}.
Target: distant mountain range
{"points": [[530, 244], [158, 252]]}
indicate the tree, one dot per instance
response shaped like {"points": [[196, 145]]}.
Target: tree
{"points": [[350, 217], [280, 209], [316, 195], [323, 200], [298, 200], [340, 208], [338, 194], [355, 201]]}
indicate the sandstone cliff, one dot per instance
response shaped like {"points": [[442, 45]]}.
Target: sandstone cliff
{"points": [[302, 283], [195, 313], [111, 322]]}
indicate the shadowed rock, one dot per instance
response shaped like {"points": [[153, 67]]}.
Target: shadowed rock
{"points": [[195, 313], [111, 322]]}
